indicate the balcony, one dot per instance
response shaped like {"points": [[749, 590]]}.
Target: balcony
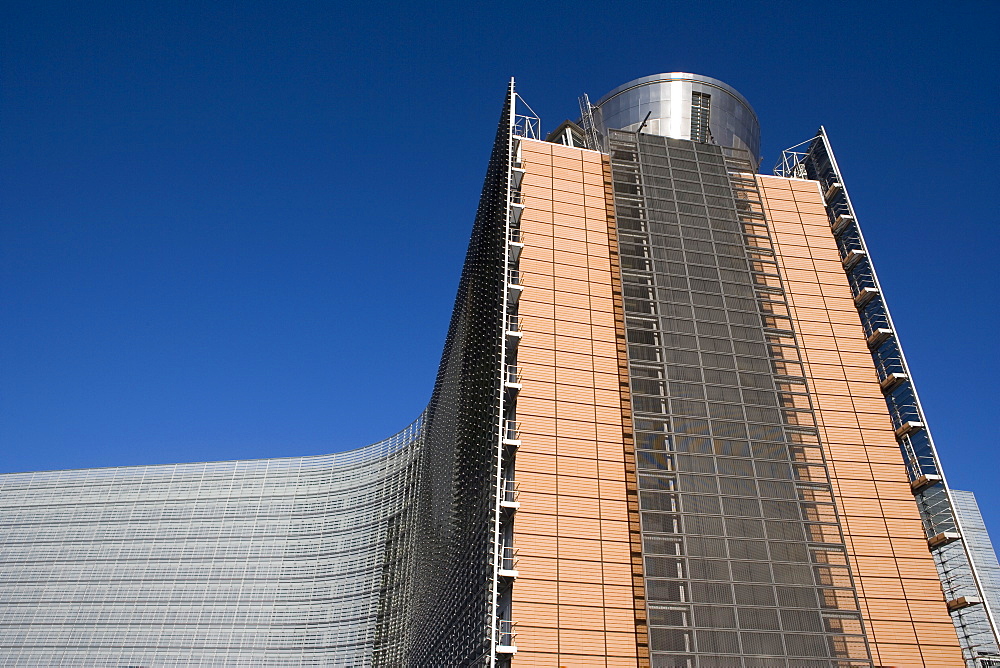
{"points": [[879, 336], [516, 243], [963, 602], [516, 175], [909, 427], [514, 285], [513, 327], [924, 482], [852, 258], [942, 539], [864, 296], [841, 223], [512, 433], [508, 562], [508, 495], [512, 377], [833, 190], [892, 381], [516, 207], [506, 633]]}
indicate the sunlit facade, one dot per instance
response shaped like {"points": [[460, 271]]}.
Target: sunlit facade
{"points": [[672, 427], [249, 563]]}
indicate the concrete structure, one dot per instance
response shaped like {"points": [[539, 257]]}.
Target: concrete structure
{"points": [[661, 435]]}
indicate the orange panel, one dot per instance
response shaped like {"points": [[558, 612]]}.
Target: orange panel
{"points": [[572, 531], [843, 382]]}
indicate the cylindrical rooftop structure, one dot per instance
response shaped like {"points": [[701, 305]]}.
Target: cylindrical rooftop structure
{"points": [[683, 106]]}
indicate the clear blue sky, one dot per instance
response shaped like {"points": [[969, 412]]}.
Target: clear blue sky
{"points": [[235, 229]]}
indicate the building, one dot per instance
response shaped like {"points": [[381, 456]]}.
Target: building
{"points": [[981, 552], [660, 435]]}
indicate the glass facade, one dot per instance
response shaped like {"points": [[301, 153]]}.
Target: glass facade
{"points": [[281, 562], [984, 556]]}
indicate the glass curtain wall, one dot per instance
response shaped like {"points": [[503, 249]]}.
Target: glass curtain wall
{"points": [[281, 562]]}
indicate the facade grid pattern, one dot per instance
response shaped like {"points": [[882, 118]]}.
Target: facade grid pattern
{"points": [[660, 436], [897, 584], [733, 489], [573, 598], [247, 563], [960, 581]]}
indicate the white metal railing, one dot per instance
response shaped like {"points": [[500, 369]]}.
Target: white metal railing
{"points": [[528, 127], [511, 430], [507, 555], [512, 374], [508, 490], [506, 632]]}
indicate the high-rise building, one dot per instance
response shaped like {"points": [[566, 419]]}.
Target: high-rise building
{"points": [[672, 427], [981, 552]]}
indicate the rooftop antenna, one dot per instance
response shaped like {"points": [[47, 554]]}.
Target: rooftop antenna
{"points": [[644, 121]]}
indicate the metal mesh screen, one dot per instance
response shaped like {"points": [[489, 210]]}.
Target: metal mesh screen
{"points": [[455, 546], [737, 513]]}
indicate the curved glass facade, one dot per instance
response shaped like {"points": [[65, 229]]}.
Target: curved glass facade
{"points": [[243, 563]]}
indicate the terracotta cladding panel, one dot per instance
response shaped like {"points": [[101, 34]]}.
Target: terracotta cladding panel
{"points": [[582, 430], [535, 158], [579, 508], [567, 181], [885, 539], [572, 529], [570, 165], [569, 311], [786, 219], [569, 227], [575, 198], [588, 660], [577, 467], [538, 502], [566, 266], [777, 204], [576, 286], [586, 549], [539, 206], [566, 359], [573, 245]]}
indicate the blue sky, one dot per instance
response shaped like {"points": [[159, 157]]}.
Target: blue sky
{"points": [[235, 230]]}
